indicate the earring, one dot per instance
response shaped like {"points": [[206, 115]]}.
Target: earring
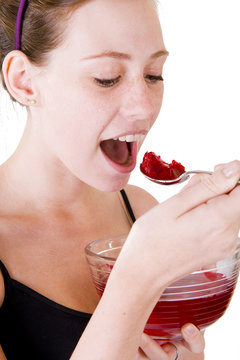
{"points": [[32, 102]]}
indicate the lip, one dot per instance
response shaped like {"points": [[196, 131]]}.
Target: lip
{"points": [[121, 168]]}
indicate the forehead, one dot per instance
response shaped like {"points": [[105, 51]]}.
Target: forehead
{"points": [[128, 26]]}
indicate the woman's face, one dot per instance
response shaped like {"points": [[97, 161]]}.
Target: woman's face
{"points": [[103, 83]]}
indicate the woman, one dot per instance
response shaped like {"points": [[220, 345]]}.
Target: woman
{"points": [[90, 74]]}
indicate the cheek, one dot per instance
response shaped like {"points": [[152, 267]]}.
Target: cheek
{"points": [[157, 99], [74, 109], [75, 128]]}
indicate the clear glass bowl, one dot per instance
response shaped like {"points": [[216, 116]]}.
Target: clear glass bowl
{"points": [[200, 298]]}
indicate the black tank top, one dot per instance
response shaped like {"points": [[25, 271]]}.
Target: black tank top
{"points": [[33, 327]]}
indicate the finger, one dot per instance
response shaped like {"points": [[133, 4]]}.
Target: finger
{"points": [[220, 182], [171, 350], [193, 338], [194, 180], [219, 166], [154, 351], [227, 206], [141, 355]]}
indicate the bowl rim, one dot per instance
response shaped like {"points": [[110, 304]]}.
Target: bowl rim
{"points": [[123, 236], [91, 253]]}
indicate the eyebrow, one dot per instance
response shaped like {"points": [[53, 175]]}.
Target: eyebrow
{"points": [[120, 55]]}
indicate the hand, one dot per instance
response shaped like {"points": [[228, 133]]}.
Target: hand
{"points": [[195, 228], [191, 348]]}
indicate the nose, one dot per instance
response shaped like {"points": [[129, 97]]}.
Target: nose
{"points": [[139, 101]]}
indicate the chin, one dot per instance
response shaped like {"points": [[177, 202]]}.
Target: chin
{"points": [[112, 185]]}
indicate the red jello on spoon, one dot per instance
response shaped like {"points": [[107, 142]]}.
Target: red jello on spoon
{"points": [[155, 168]]}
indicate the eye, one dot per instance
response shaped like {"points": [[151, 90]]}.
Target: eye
{"points": [[107, 82], [154, 78]]}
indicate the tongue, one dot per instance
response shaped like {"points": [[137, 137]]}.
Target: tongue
{"points": [[116, 150]]}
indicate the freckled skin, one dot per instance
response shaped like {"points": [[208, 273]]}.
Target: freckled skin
{"points": [[88, 112]]}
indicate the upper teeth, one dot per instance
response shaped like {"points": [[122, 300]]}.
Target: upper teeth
{"points": [[131, 138]]}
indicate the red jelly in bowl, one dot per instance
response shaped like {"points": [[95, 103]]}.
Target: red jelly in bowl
{"points": [[200, 298], [154, 167]]}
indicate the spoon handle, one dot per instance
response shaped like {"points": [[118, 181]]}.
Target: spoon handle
{"points": [[199, 172], [203, 172]]}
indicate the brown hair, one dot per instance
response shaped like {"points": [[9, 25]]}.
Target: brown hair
{"points": [[42, 27]]}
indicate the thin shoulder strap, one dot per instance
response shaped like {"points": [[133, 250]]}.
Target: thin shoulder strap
{"points": [[127, 205]]}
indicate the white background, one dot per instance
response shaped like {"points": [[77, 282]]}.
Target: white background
{"points": [[199, 120]]}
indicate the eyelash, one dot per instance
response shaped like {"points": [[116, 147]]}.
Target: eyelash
{"points": [[111, 82], [153, 78], [107, 82]]}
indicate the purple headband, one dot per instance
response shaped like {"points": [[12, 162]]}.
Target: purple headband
{"points": [[19, 21]]}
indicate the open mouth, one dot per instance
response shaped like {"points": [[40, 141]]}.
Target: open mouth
{"points": [[119, 150]]}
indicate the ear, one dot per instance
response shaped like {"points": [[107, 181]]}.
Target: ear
{"points": [[17, 72]]}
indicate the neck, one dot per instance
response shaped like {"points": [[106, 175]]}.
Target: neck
{"points": [[35, 177]]}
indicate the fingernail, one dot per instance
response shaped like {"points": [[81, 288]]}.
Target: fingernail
{"points": [[230, 170], [190, 330]]}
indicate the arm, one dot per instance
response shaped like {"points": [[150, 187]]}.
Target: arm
{"points": [[118, 322]]}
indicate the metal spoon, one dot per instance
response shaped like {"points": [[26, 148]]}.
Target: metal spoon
{"points": [[183, 177]]}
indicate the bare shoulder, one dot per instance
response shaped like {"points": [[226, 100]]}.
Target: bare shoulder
{"points": [[141, 201]]}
